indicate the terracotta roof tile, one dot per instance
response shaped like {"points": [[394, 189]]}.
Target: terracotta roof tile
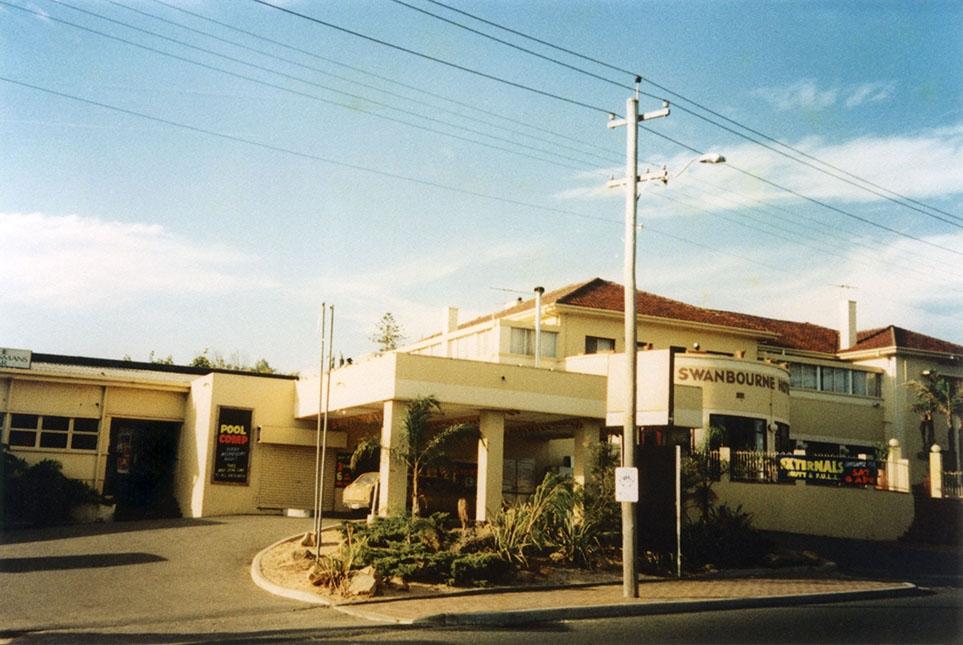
{"points": [[609, 296]]}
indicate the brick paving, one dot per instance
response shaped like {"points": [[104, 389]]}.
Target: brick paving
{"points": [[650, 593]]}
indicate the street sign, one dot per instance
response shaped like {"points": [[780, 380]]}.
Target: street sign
{"points": [[19, 358], [626, 484]]}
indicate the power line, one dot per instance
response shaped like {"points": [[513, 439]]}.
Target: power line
{"points": [[759, 178], [812, 200], [373, 171], [435, 59], [385, 79], [339, 77], [353, 108], [869, 186]]}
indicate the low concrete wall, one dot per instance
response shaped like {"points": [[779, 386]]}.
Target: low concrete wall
{"points": [[866, 514]]}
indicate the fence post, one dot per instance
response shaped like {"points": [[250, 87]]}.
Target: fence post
{"points": [[896, 477], [725, 461], [936, 471]]}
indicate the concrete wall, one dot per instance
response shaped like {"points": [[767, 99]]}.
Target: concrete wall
{"points": [[865, 514]]}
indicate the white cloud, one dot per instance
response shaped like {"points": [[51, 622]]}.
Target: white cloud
{"points": [[802, 95], [411, 290], [807, 95], [924, 165], [869, 93], [809, 289], [73, 260]]}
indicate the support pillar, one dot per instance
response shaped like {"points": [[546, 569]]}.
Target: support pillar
{"points": [[393, 488], [491, 462], [936, 472], [586, 445]]}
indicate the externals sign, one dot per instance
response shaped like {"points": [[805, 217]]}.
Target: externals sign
{"points": [[841, 471], [232, 450], [19, 358]]}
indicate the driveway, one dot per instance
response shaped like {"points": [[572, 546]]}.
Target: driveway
{"points": [[148, 579]]}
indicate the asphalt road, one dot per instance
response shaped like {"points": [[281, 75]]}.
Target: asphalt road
{"points": [[188, 581], [183, 579]]}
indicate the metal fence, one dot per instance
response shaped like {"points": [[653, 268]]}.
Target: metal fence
{"points": [[953, 484], [752, 466]]}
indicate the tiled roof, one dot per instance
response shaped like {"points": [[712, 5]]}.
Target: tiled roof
{"points": [[609, 296], [893, 336]]}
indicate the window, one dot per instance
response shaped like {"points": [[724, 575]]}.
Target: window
{"points": [[23, 429], [523, 342], [597, 344], [53, 432], [84, 436], [34, 430], [839, 380], [803, 376]]}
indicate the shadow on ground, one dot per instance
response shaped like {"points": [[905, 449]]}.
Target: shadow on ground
{"points": [[87, 561], [17, 536]]}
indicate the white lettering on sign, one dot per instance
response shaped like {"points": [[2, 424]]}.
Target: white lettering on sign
{"points": [[19, 358], [626, 484]]}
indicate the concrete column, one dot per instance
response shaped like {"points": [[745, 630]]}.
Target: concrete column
{"points": [[491, 462], [586, 445], [936, 471], [393, 489]]}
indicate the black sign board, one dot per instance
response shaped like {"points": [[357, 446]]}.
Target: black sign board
{"points": [[655, 512], [232, 448]]}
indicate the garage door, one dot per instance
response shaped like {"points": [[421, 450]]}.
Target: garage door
{"points": [[287, 477]]}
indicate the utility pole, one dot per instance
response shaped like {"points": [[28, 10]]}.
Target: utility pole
{"points": [[630, 580]]}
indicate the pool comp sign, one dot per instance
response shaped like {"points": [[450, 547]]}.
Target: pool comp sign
{"points": [[232, 452]]}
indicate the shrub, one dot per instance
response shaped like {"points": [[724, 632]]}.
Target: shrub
{"points": [[724, 538], [530, 527], [40, 495], [334, 571], [479, 569]]}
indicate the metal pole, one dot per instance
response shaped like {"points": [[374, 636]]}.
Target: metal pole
{"points": [[538, 325], [678, 511], [317, 438], [324, 433], [630, 582]]}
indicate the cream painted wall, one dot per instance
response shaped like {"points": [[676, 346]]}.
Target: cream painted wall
{"points": [[272, 401], [865, 514], [576, 326], [836, 417]]}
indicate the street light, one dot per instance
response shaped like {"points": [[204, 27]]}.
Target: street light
{"points": [[630, 582]]}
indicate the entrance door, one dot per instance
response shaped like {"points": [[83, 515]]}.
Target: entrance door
{"points": [[140, 468]]}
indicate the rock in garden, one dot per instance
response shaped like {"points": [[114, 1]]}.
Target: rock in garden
{"points": [[364, 582], [308, 539]]}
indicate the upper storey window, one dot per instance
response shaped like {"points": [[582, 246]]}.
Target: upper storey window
{"points": [[840, 380], [523, 342], [598, 344]]}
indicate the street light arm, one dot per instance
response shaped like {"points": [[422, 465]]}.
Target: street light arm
{"points": [[709, 157]]}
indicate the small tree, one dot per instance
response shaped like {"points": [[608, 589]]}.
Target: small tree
{"points": [[701, 469], [937, 394], [416, 449], [388, 333]]}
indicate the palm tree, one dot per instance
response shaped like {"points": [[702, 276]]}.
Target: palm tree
{"points": [[417, 448], [938, 395]]}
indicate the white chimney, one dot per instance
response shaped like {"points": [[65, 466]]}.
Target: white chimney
{"points": [[449, 321], [847, 324]]}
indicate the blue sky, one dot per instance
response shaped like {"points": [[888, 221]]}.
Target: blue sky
{"points": [[126, 234]]}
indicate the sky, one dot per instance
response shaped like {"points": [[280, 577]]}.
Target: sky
{"points": [[193, 175]]}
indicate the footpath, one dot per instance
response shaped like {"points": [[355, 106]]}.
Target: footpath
{"points": [[520, 605]]}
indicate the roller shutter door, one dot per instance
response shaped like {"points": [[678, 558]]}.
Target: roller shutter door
{"points": [[287, 477]]}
